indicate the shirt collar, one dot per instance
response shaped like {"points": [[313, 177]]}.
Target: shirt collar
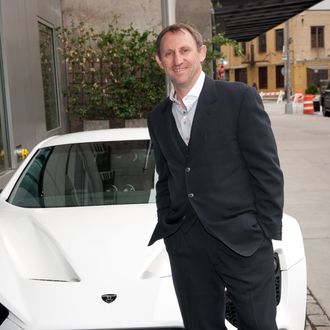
{"points": [[193, 93]]}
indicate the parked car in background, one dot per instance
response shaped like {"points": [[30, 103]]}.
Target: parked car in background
{"points": [[325, 97], [317, 103], [75, 221]]}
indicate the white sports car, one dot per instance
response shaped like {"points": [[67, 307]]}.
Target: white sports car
{"points": [[75, 220]]}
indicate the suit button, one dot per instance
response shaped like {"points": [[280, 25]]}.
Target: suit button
{"points": [[188, 169], [191, 195]]}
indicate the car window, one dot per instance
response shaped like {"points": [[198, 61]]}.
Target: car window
{"points": [[102, 173]]}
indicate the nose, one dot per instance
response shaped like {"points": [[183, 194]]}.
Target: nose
{"points": [[177, 58]]}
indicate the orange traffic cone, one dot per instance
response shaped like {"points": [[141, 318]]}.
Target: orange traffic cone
{"points": [[308, 104]]}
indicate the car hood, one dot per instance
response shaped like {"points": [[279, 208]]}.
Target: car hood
{"points": [[61, 261]]}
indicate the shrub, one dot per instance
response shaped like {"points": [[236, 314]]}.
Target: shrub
{"points": [[110, 74], [312, 89]]}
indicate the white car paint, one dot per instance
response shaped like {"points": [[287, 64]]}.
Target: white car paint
{"points": [[56, 263]]}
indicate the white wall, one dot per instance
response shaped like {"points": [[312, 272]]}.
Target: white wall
{"points": [[143, 14]]}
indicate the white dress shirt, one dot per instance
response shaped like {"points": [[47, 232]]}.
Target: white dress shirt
{"points": [[184, 117]]}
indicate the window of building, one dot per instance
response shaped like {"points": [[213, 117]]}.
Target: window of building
{"points": [[317, 36], [4, 147], [315, 75], [227, 76], [262, 43], [49, 79], [241, 75], [242, 47], [263, 77], [279, 40], [279, 76]]}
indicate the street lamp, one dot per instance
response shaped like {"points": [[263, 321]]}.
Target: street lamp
{"points": [[214, 32], [168, 18], [168, 12], [288, 104]]}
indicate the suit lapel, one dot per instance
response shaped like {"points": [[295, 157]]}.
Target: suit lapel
{"points": [[169, 124], [177, 136], [204, 111]]}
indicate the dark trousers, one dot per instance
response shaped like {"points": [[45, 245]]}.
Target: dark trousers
{"points": [[202, 267]]}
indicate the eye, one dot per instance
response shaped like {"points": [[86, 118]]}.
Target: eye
{"points": [[167, 54]]}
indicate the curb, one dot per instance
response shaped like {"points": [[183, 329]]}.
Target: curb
{"points": [[316, 318]]}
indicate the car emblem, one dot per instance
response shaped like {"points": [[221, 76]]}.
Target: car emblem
{"points": [[109, 297]]}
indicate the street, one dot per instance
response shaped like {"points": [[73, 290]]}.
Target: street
{"points": [[304, 149]]}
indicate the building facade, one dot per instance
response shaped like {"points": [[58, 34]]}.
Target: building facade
{"points": [[311, 48], [30, 100], [264, 57]]}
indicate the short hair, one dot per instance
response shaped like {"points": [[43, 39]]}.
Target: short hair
{"points": [[179, 27]]}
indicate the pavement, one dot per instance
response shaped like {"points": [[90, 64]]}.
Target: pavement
{"points": [[303, 143]]}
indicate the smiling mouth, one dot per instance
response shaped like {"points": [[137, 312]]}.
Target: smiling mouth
{"points": [[178, 70]]}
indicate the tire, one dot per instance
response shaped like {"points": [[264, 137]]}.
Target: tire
{"points": [[326, 112]]}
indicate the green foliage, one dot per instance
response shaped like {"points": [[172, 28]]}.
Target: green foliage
{"points": [[111, 73], [312, 89], [214, 49]]}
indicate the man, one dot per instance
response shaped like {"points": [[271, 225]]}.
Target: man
{"points": [[219, 191]]}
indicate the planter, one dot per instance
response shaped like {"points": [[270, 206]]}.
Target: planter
{"points": [[117, 123], [78, 125], [141, 122], [75, 124], [90, 125]]}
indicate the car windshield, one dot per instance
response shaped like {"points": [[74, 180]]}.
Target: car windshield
{"points": [[86, 174]]}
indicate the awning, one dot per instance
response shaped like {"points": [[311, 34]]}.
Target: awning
{"points": [[244, 20]]}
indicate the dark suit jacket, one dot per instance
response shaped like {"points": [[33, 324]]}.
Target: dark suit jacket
{"points": [[229, 173]]}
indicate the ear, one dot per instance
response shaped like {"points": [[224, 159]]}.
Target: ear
{"points": [[159, 61], [202, 53]]}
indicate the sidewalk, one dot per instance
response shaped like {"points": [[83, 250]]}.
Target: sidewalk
{"points": [[304, 148]]}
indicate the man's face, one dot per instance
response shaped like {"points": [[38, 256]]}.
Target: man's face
{"points": [[181, 59]]}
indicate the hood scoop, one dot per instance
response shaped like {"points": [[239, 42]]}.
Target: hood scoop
{"points": [[35, 254]]}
